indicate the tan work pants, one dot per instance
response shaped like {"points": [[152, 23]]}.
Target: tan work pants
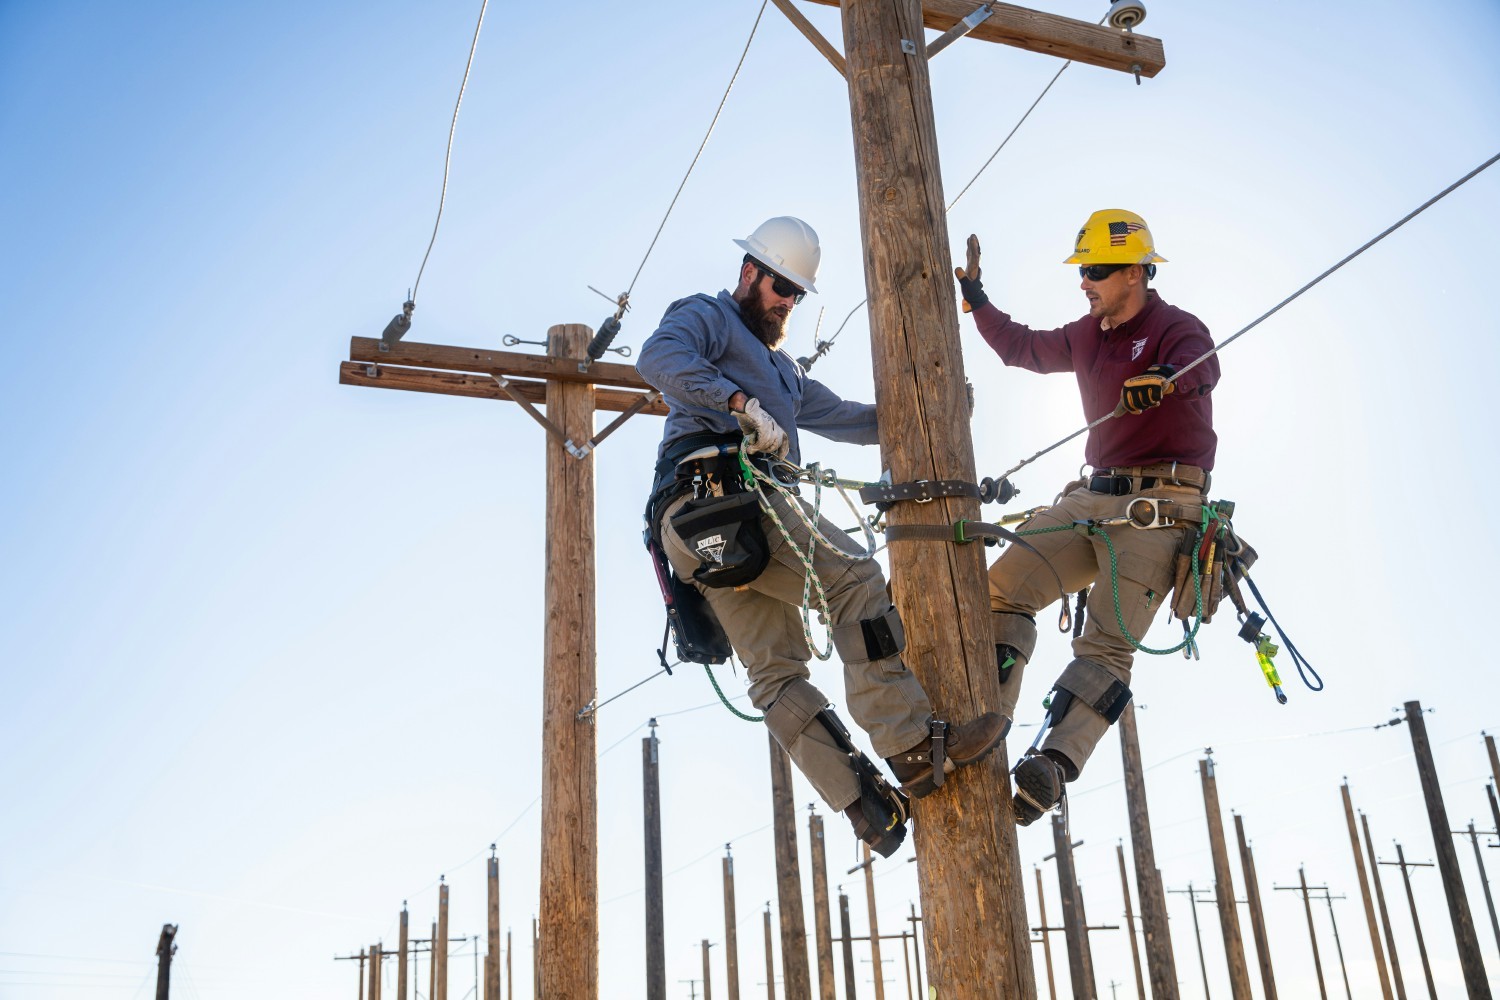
{"points": [[764, 623], [1021, 583]]}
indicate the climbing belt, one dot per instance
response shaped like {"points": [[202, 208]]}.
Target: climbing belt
{"points": [[759, 481]]}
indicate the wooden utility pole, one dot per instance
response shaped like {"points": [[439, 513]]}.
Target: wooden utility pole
{"points": [[1192, 895], [361, 958], [1484, 879], [1385, 915], [401, 958], [1312, 931], [795, 976], [1467, 939], [1489, 747], [849, 991], [822, 921], [1229, 918], [1257, 915], [916, 947], [377, 959], [656, 944], [731, 932], [869, 867], [166, 948], [510, 982], [708, 989], [770, 958], [1411, 901], [492, 960], [1161, 966], [440, 945], [432, 963], [536, 960], [1075, 933], [1135, 949], [1364, 891], [1338, 946], [1046, 932], [967, 859]]}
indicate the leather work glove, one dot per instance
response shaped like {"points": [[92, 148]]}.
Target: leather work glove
{"points": [[762, 432], [1141, 392], [968, 278]]}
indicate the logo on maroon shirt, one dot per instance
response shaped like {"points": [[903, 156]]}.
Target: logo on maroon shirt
{"points": [[1137, 346]]}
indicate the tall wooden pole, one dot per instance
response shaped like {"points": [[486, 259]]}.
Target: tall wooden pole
{"points": [[536, 961], [362, 956], [708, 989], [1416, 923], [440, 946], [377, 956], [492, 960], [570, 814], [1364, 891], [432, 962], [1484, 879], [510, 982], [916, 947], [1160, 963], [1257, 915], [1229, 918], [796, 978], [656, 946], [401, 958], [1338, 945], [967, 860], [1385, 914], [1135, 948], [731, 932], [770, 957], [1074, 932], [1464, 934], [1041, 907], [1192, 895], [1312, 932], [875, 961], [849, 991], [822, 922], [166, 948], [1489, 746]]}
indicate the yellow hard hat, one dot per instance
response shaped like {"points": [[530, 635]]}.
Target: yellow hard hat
{"points": [[1114, 236]]}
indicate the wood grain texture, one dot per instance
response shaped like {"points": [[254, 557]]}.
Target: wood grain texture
{"points": [[1229, 917], [476, 386], [795, 976], [473, 359], [731, 931], [822, 920], [570, 843], [968, 867], [1049, 34], [1160, 964]]}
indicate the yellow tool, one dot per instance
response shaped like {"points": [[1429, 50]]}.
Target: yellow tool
{"points": [[1265, 650]]}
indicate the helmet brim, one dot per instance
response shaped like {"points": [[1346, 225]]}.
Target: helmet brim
{"points": [[781, 269]]}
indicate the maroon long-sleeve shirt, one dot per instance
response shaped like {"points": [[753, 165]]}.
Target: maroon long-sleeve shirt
{"points": [[1181, 429]]}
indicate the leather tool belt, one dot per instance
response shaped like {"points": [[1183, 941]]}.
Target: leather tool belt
{"points": [[1124, 480]]}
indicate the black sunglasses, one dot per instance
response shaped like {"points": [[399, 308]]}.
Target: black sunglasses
{"points": [[1098, 272], [783, 287]]}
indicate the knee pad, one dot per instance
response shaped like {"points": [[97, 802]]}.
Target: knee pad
{"points": [[878, 638], [1087, 682], [1015, 640]]}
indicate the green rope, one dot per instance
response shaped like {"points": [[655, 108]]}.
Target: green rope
{"points": [[720, 692], [1114, 580]]}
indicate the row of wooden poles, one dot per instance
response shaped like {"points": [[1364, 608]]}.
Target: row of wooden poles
{"points": [[1152, 955]]}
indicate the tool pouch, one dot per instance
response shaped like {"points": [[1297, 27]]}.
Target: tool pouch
{"points": [[725, 534], [1223, 558]]}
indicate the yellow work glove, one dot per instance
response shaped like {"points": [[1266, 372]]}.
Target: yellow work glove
{"points": [[1141, 392]]}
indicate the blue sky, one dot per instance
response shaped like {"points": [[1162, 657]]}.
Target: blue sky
{"points": [[271, 646]]}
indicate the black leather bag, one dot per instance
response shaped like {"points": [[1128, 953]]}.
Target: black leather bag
{"points": [[725, 534]]}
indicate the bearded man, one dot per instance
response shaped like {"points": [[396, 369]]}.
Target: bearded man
{"points": [[718, 361]]}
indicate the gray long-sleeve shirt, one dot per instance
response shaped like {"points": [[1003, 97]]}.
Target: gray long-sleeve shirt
{"points": [[703, 352]]}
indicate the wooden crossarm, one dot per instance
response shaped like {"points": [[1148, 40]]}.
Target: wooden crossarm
{"points": [[473, 359], [1051, 34], [449, 383]]}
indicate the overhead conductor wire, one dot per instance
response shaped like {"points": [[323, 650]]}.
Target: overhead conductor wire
{"points": [[1273, 310], [448, 157]]}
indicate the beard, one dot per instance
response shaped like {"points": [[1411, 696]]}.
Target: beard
{"points": [[768, 325]]}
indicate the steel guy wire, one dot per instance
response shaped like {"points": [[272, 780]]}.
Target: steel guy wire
{"points": [[722, 101], [1272, 311], [448, 157]]}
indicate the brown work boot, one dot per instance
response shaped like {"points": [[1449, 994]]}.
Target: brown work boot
{"points": [[1039, 786], [920, 769]]}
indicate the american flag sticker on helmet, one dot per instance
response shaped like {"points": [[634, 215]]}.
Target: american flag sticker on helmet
{"points": [[1119, 230]]}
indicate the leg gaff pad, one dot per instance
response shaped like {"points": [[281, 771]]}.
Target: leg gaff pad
{"points": [[1015, 640], [878, 638], [1087, 682]]}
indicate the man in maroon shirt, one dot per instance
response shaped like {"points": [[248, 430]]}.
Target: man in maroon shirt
{"points": [[1123, 354]]}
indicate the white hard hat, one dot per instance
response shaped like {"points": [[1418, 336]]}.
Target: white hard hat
{"points": [[787, 246]]}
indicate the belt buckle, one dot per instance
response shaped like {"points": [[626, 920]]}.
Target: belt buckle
{"points": [[1157, 520]]}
